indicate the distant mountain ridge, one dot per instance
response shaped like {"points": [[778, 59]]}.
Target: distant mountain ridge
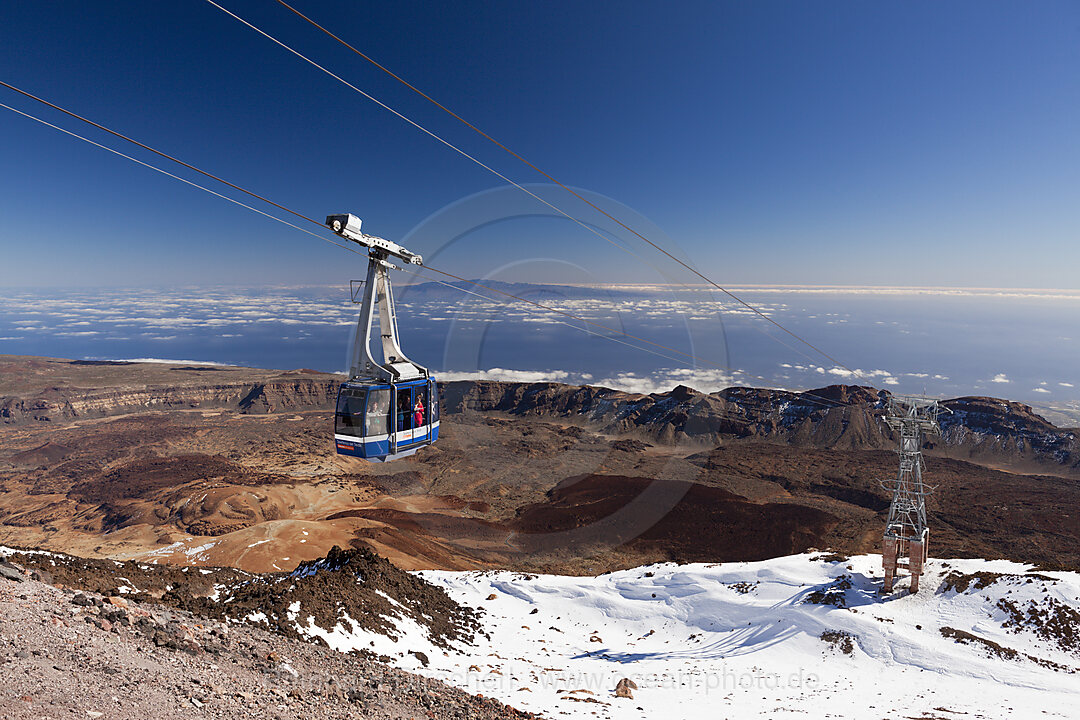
{"points": [[835, 417], [235, 466], [844, 417], [34, 389]]}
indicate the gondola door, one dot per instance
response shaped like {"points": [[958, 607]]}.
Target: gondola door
{"points": [[380, 436], [411, 416], [403, 424]]}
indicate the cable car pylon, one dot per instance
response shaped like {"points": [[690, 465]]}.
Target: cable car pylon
{"points": [[389, 407], [906, 530]]}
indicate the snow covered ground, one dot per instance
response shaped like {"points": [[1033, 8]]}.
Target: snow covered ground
{"points": [[745, 640]]}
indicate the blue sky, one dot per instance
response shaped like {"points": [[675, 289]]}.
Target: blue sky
{"points": [[839, 143]]}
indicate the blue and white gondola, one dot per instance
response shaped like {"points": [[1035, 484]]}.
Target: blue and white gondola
{"points": [[387, 409], [364, 426]]}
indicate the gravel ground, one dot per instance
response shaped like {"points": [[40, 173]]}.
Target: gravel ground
{"points": [[325, 588], [69, 654]]}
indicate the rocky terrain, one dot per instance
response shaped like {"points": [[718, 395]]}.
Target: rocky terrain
{"points": [[71, 653], [812, 634], [218, 557], [47, 390], [374, 594], [214, 466], [835, 417]]}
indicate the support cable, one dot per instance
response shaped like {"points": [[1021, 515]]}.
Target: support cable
{"points": [[813, 398], [423, 129], [560, 322], [567, 188], [728, 413], [156, 152], [183, 180]]}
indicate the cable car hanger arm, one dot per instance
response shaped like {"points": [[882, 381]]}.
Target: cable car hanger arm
{"points": [[347, 226]]}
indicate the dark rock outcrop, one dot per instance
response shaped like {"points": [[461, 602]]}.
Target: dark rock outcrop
{"points": [[841, 417]]}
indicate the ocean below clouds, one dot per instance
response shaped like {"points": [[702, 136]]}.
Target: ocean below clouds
{"points": [[1018, 344]]}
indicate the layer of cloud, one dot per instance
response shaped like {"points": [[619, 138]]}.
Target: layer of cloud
{"points": [[165, 361], [506, 375], [702, 380], [161, 322], [658, 382], [897, 291], [857, 375]]}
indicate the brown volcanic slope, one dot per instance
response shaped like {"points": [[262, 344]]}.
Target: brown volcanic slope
{"points": [[704, 523], [233, 466]]}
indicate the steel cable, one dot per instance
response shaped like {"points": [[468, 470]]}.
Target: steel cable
{"points": [[548, 176], [813, 398]]}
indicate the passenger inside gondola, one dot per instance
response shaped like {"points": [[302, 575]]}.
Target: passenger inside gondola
{"points": [[404, 409], [418, 411], [377, 411]]}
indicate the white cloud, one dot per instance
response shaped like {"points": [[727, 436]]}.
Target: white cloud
{"points": [[1040, 390], [697, 378], [891, 381], [633, 384], [1065, 384], [701, 380], [173, 362], [658, 382], [1000, 378], [506, 375], [909, 291]]}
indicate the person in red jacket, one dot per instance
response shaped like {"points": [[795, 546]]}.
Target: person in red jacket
{"points": [[418, 413]]}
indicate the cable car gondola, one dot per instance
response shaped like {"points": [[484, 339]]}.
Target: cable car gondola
{"points": [[385, 410]]}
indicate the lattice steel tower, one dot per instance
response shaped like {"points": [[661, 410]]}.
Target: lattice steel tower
{"points": [[906, 532]]}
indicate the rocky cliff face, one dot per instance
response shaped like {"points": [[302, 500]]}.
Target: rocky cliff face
{"points": [[988, 427], [840, 417], [835, 417], [281, 394]]}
